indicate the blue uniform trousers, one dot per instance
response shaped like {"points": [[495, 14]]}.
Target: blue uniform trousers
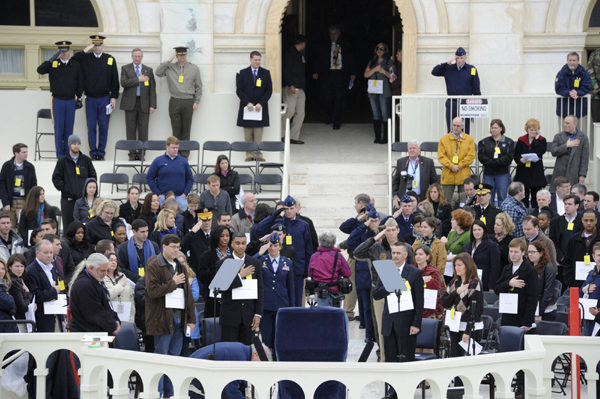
{"points": [[95, 112], [63, 117], [298, 289]]}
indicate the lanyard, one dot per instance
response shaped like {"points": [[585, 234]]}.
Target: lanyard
{"points": [[415, 166]]}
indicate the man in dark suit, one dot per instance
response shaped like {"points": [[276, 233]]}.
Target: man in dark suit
{"points": [[43, 282], [239, 318], [562, 228], [254, 88], [485, 211], [400, 329], [17, 177], [139, 98], [557, 200], [336, 68], [413, 173]]}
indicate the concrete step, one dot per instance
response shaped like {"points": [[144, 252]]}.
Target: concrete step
{"points": [[324, 204], [337, 179], [345, 190], [379, 167]]}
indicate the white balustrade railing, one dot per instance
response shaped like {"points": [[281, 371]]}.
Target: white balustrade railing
{"points": [[536, 362]]}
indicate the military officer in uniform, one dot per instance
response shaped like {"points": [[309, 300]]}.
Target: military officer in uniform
{"points": [[278, 285], [485, 211], [101, 87], [185, 85], [461, 79], [66, 85]]}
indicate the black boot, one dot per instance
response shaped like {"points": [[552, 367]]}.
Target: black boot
{"points": [[377, 129], [384, 137]]}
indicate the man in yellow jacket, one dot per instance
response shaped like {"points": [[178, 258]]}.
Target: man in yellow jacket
{"points": [[456, 153]]}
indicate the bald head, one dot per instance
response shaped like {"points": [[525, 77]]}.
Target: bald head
{"points": [[457, 125]]}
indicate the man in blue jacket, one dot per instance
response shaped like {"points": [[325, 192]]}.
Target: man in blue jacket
{"points": [[572, 82], [461, 79], [171, 172], [298, 235]]}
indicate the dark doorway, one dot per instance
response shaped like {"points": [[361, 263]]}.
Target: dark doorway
{"points": [[364, 24]]}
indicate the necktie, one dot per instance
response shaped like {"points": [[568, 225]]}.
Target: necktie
{"points": [[255, 75], [336, 51], [207, 236], [137, 74]]}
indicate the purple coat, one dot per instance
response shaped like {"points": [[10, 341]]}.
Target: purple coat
{"points": [[320, 267]]}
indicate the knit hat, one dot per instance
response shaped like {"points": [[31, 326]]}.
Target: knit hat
{"points": [[74, 139]]}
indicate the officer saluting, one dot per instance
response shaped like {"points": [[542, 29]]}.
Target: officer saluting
{"points": [[66, 85], [101, 86]]}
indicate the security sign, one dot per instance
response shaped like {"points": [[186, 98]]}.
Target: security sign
{"points": [[474, 108]]}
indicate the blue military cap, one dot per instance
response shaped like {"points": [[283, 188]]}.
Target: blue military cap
{"points": [[406, 198], [373, 214], [274, 238], [460, 52], [289, 201], [368, 207]]}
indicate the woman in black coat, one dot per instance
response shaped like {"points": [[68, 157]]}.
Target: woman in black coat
{"points": [[35, 210], [131, 209], [17, 265], [150, 209], [230, 181], [207, 266], [441, 208], [485, 253], [531, 174], [80, 248]]}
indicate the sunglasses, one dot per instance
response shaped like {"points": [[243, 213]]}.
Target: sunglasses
{"points": [[381, 48]]}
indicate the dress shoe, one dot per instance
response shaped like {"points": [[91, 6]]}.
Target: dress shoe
{"points": [[100, 158], [356, 318], [283, 139], [133, 157], [261, 159], [369, 340], [361, 326], [249, 159], [296, 141], [336, 127]]}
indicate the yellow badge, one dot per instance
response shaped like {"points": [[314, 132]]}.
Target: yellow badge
{"points": [[180, 78], [54, 64], [425, 285], [497, 149], [141, 272], [258, 82], [570, 226], [374, 83], [110, 61], [586, 259], [407, 284], [473, 71], [576, 83], [483, 220], [455, 159], [112, 233], [249, 277], [288, 240], [528, 164], [61, 285], [452, 313], [415, 184], [77, 170], [18, 182], [147, 83]]}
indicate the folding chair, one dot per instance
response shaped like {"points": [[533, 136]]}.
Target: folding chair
{"points": [[200, 180], [271, 180], [244, 147], [211, 331], [214, 146], [58, 214], [490, 296], [191, 145], [113, 178], [152, 145], [127, 339], [271, 146], [428, 339], [44, 113], [129, 146], [431, 147], [139, 180]]}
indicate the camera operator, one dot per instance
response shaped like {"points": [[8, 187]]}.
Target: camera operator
{"points": [[325, 268], [413, 172]]}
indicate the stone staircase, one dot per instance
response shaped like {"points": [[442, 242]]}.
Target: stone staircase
{"points": [[327, 191]]}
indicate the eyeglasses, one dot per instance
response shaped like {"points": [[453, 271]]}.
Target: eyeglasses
{"points": [[533, 252], [381, 48], [177, 247]]}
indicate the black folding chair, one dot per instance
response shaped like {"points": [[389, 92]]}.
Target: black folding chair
{"points": [[244, 147], [269, 180], [112, 179], [44, 113], [129, 146], [270, 146], [139, 180], [191, 145], [152, 145], [200, 180]]}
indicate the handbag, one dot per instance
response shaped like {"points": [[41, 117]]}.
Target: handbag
{"points": [[375, 86]]}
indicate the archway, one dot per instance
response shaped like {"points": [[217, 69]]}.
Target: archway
{"points": [[409, 43]]}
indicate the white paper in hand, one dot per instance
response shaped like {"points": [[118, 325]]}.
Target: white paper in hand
{"points": [[596, 329], [469, 348], [58, 306], [175, 299], [406, 302], [453, 323], [252, 115], [248, 290], [109, 109], [430, 299], [509, 303], [480, 273], [587, 304], [449, 270], [582, 270], [30, 314]]}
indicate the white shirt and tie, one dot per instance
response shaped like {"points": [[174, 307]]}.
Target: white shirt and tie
{"points": [[339, 56], [138, 72]]}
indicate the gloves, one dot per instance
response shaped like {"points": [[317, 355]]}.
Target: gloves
{"points": [[54, 57], [277, 213], [78, 103]]}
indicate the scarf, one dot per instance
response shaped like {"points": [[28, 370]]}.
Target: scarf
{"points": [[220, 253], [148, 249], [427, 241], [464, 299], [163, 233], [40, 214], [4, 284]]}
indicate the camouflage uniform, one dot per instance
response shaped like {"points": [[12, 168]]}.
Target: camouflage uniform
{"points": [[593, 68]]}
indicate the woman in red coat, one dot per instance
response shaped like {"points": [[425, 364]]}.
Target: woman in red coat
{"points": [[433, 279]]}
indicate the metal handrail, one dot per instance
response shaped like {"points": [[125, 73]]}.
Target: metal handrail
{"points": [[285, 188]]}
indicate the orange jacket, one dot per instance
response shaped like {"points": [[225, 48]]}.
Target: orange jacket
{"points": [[464, 147]]}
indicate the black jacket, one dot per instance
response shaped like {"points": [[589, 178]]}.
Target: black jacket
{"points": [[248, 91], [27, 224], [40, 287], [7, 180], [151, 220], [241, 312], [96, 230], [314, 238], [66, 81], [490, 214], [486, 148], [127, 212], [22, 298], [293, 69], [140, 304], [503, 245], [80, 250], [196, 244], [427, 177], [91, 310], [189, 220], [65, 177], [532, 176], [100, 75], [123, 259], [230, 184], [528, 295], [207, 269], [558, 229], [444, 214], [576, 250], [487, 258]]}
